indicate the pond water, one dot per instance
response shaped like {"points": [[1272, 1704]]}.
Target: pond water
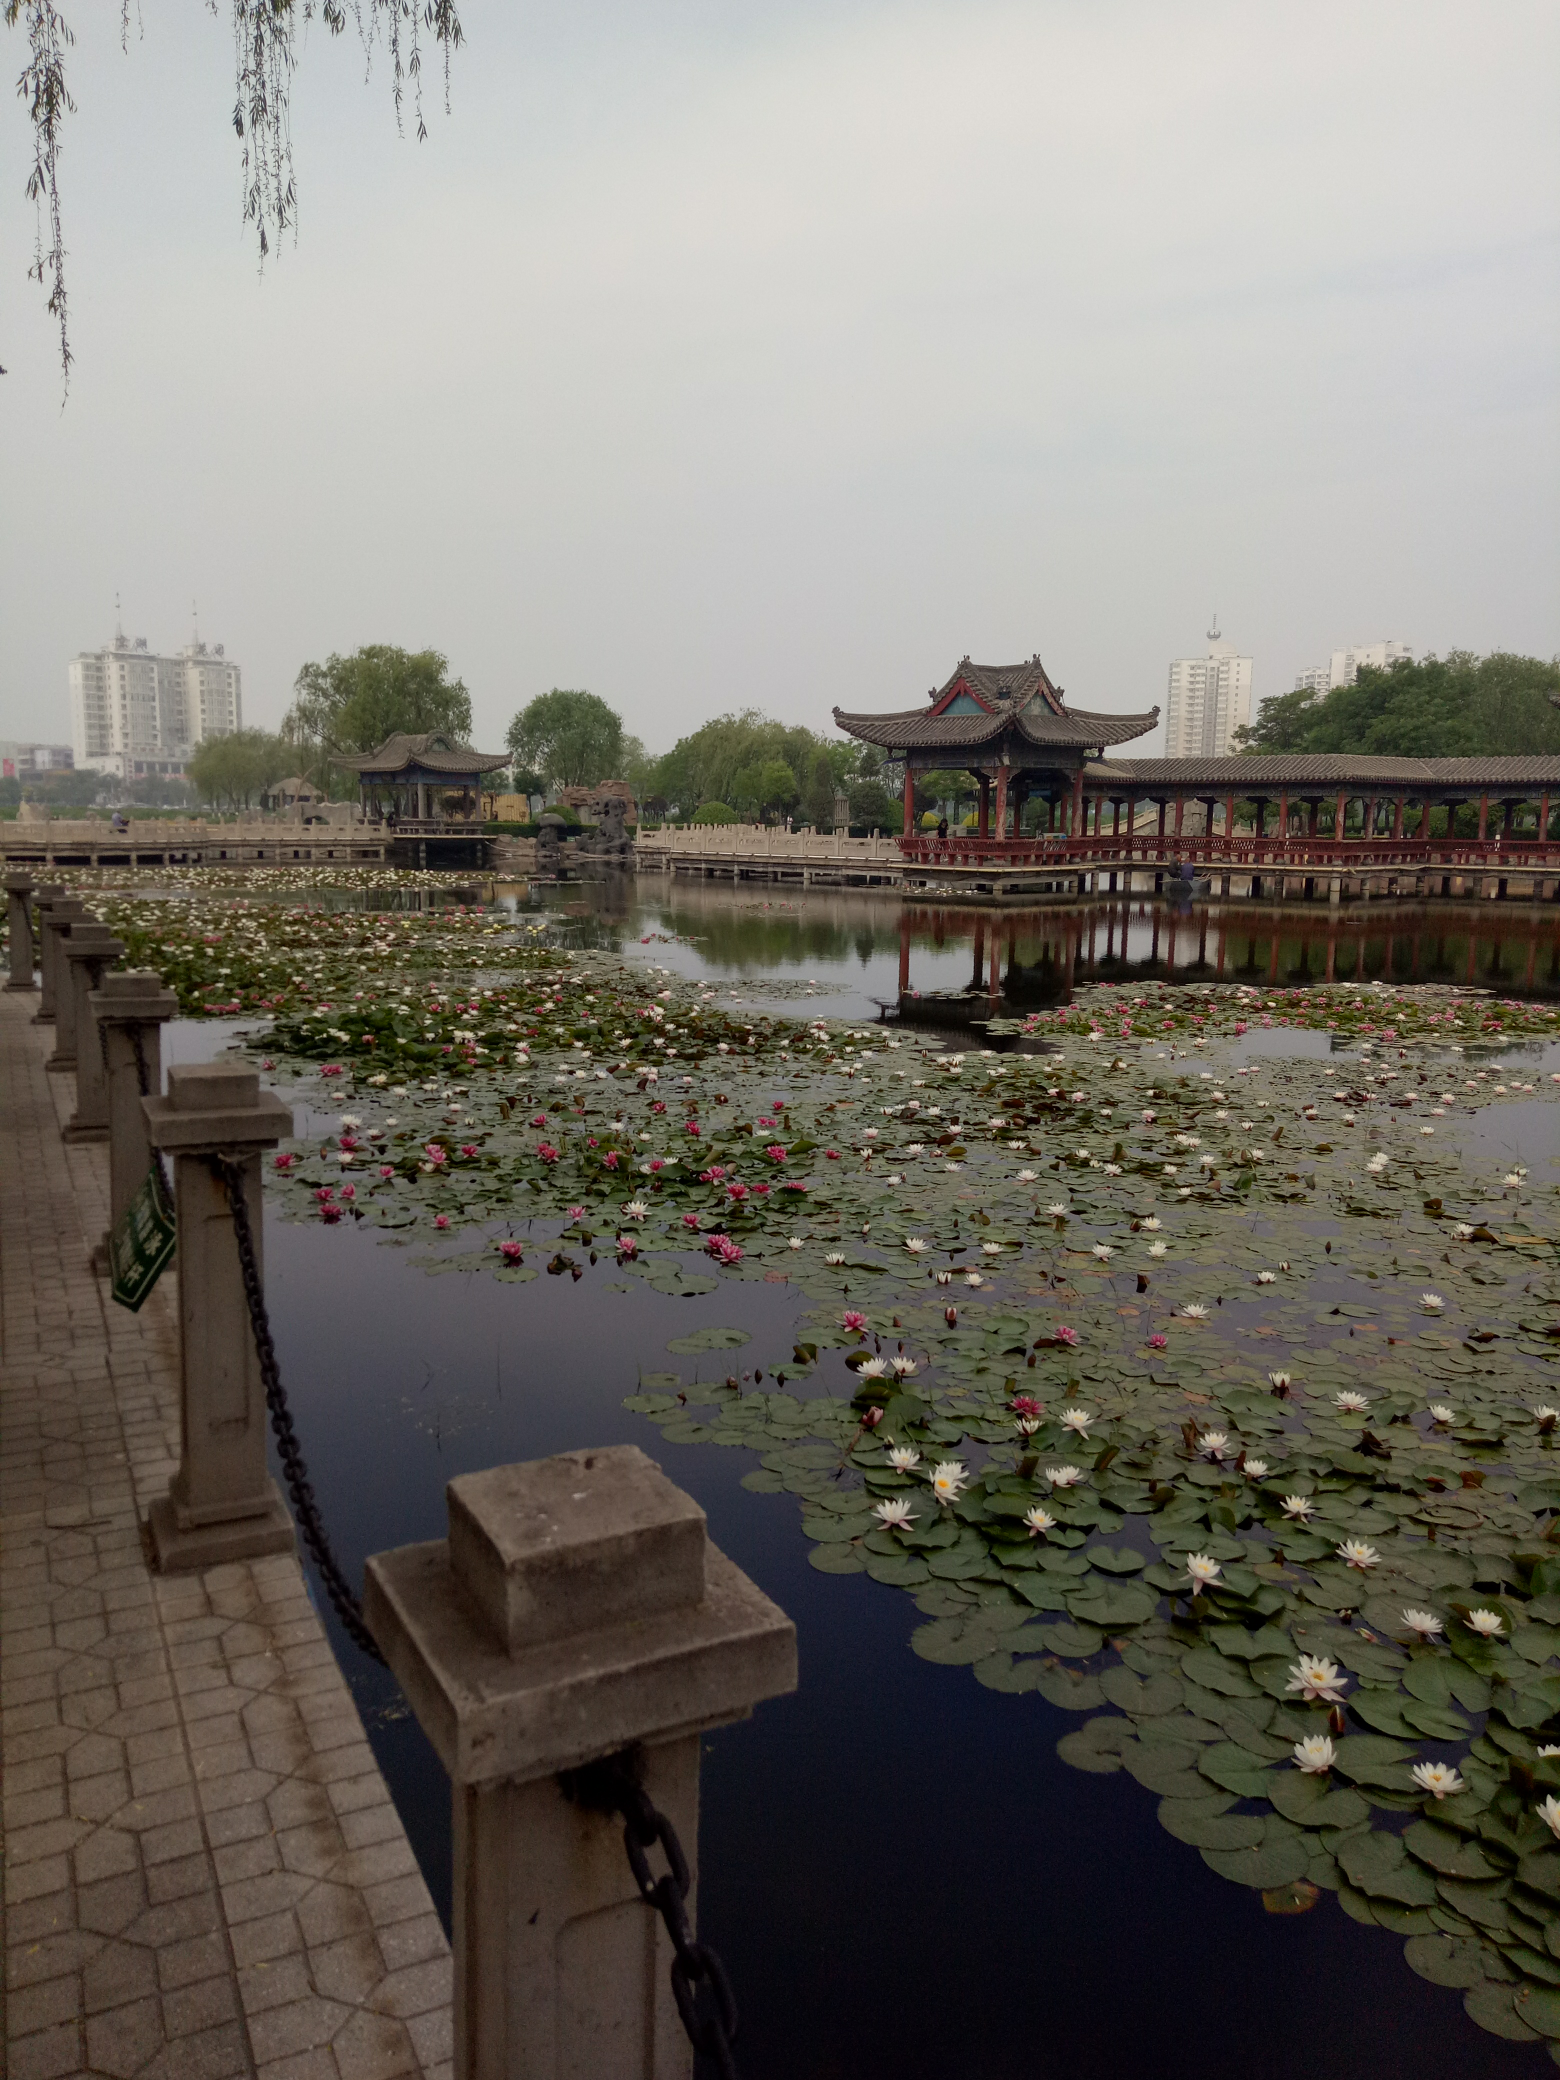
{"points": [[898, 1869]]}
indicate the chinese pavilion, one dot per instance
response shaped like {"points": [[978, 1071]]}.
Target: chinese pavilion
{"points": [[1008, 726], [413, 778]]}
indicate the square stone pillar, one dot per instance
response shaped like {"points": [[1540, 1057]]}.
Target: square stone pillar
{"points": [[223, 1504], [127, 1007], [576, 1610], [19, 891], [87, 949], [56, 914]]}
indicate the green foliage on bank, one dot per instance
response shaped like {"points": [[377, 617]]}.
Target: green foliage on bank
{"points": [[1459, 706]]}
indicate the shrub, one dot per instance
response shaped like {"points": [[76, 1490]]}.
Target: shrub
{"points": [[714, 812]]}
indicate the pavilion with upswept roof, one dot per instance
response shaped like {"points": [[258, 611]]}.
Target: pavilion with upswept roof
{"points": [[411, 776], [1009, 727]]}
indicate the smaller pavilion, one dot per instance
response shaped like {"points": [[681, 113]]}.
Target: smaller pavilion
{"points": [[410, 779], [1009, 727]]}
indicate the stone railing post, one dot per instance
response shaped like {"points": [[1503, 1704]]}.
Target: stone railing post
{"points": [[127, 1006], [576, 1610], [84, 929], [87, 949], [56, 913], [222, 1504], [19, 891]]}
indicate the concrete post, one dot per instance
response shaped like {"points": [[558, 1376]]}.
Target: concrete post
{"points": [[87, 950], [222, 1505], [577, 1609], [123, 1006], [65, 917], [55, 913], [19, 890]]}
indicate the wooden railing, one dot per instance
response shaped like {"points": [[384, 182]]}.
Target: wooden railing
{"points": [[1296, 853]]}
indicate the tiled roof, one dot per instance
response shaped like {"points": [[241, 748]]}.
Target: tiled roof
{"points": [[434, 753], [916, 729], [1014, 684], [1325, 770]]}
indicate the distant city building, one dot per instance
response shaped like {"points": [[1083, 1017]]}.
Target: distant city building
{"points": [[137, 712], [19, 761], [1209, 699], [1342, 668]]}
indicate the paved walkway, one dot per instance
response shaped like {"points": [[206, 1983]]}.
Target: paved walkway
{"points": [[204, 1873]]}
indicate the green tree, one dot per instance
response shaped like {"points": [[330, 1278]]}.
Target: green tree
{"points": [[872, 804], [705, 765], [713, 812], [232, 772], [570, 735], [1459, 706], [777, 788], [354, 703], [818, 791]]}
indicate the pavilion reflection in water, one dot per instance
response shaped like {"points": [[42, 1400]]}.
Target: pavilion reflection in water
{"points": [[1029, 960]]}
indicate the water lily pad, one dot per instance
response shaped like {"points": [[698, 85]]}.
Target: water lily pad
{"points": [[1234, 1769], [1492, 2008], [837, 1560], [1444, 1850], [1111, 1604], [1447, 1960], [1279, 1861], [1377, 1865], [1059, 1686], [1206, 1824]]}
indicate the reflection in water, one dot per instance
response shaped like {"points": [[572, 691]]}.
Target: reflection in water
{"points": [[881, 950]]}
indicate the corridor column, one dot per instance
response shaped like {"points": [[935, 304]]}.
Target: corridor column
{"points": [[984, 827], [19, 888], [909, 799]]}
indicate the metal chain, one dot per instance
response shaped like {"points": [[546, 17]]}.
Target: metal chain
{"points": [[294, 1471], [612, 1785]]}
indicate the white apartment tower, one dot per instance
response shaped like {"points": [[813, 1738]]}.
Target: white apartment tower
{"points": [[134, 711], [1209, 699], [1343, 667]]}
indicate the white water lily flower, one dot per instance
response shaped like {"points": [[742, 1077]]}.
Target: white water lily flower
{"points": [[916, 1244], [1463, 1231], [1027, 1176], [1438, 1778], [1315, 1755], [1514, 1178], [1545, 1416], [948, 1479], [1213, 1444], [1256, 1469], [943, 1278], [1194, 1311], [1425, 1623], [1377, 1163], [1078, 1419], [1064, 1476], [1059, 1211], [1487, 1624], [1549, 1811], [1201, 1570], [1427, 1130], [904, 1458], [1102, 1251], [1040, 1521], [636, 1209], [794, 1242], [1280, 1379], [916, 1148], [1170, 1171], [1348, 1403], [1152, 1222], [1317, 1679], [991, 1249], [904, 1367], [1298, 1508], [1432, 1303], [893, 1516], [1267, 1278], [873, 1368], [834, 1256], [1354, 1552], [1440, 1413], [1158, 1249]]}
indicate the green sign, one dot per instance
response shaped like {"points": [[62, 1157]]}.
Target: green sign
{"points": [[141, 1244]]}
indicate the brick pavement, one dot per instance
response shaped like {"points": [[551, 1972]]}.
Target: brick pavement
{"points": [[204, 1873]]}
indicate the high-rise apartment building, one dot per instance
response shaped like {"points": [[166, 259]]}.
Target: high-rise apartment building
{"points": [[134, 711], [1343, 667], [1209, 699]]}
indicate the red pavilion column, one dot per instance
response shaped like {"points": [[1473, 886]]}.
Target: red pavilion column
{"points": [[1543, 819], [1002, 802], [1075, 814], [984, 827], [1339, 813], [1484, 817], [1180, 812], [1397, 818], [909, 799]]}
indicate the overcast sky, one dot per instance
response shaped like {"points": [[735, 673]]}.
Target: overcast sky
{"points": [[711, 353]]}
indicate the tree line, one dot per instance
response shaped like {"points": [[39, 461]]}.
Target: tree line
{"points": [[1458, 706]]}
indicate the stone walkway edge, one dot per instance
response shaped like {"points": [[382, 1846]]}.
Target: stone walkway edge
{"points": [[204, 1872]]}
